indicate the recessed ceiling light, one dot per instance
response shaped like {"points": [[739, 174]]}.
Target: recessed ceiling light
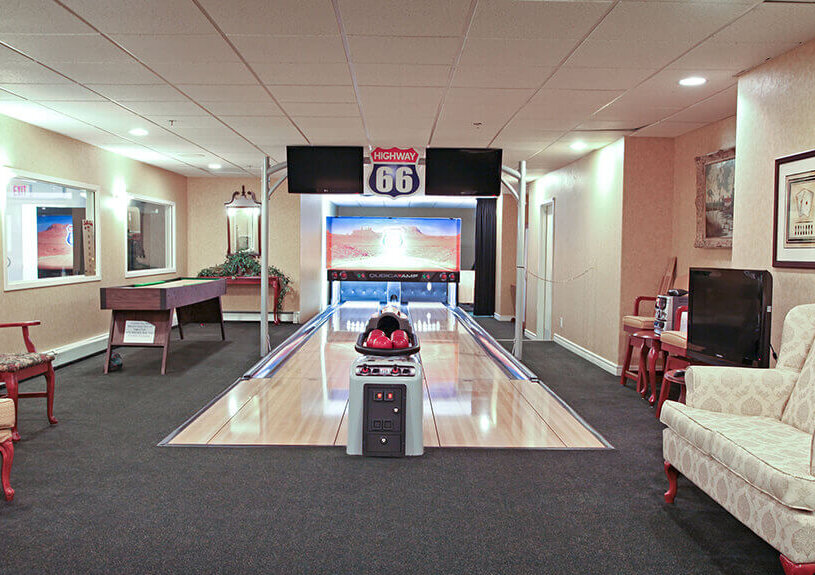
{"points": [[138, 132], [214, 166], [578, 145], [692, 81]]}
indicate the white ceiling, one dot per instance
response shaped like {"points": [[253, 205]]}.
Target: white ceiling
{"points": [[229, 82]]}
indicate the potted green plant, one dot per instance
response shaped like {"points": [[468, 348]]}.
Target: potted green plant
{"points": [[244, 264]]}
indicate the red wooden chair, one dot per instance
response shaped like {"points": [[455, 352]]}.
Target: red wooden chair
{"points": [[7, 412], [16, 367]]}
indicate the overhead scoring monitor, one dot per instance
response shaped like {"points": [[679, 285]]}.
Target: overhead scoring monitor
{"points": [[325, 169], [463, 172]]}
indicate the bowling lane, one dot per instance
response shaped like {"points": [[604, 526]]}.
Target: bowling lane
{"points": [[475, 402]]}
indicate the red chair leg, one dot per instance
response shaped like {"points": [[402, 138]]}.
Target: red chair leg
{"points": [[49, 380], [10, 380], [627, 363], [642, 370], [653, 356], [673, 475], [7, 451], [791, 568]]}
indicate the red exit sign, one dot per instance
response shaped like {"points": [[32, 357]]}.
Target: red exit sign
{"points": [[21, 190]]}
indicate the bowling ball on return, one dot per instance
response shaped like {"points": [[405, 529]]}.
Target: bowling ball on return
{"points": [[375, 333], [400, 343], [400, 333], [380, 343]]}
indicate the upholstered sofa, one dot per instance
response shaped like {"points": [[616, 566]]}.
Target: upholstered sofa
{"points": [[746, 437]]}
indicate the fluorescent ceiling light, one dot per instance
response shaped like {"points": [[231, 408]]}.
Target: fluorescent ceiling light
{"points": [[578, 145], [692, 81], [214, 166], [138, 132]]}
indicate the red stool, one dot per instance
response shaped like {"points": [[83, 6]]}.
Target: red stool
{"points": [[640, 329]]}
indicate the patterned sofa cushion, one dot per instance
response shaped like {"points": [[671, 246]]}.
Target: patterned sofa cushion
{"points": [[800, 409], [12, 362], [694, 425], [770, 455], [740, 390], [796, 337]]}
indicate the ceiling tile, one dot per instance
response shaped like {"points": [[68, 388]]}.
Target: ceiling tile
{"points": [[143, 17], [773, 22], [333, 94], [483, 104], [39, 17], [52, 48], [201, 48], [736, 56], [634, 111], [567, 104], [510, 19], [500, 76], [515, 52], [335, 74], [8, 96], [138, 92], [393, 131], [712, 109], [208, 73], [664, 87], [267, 108], [171, 108], [281, 17], [15, 69], [225, 93], [399, 18], [181, 122], [626, 53], [320, 109], [668, 129], [604, 125], [383, 101], [291, 49], [65, 91], [103, 115], [107, 73], [403, 50], [402, 75], [568, 78]]}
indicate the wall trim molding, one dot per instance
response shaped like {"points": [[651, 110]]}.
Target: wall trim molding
{"points": [[80, 349], [530, 334], [588, 355], [500, 317], [285, 316]]}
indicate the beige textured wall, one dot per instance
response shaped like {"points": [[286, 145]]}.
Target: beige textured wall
{"points": [[71, 312], [507, 234], [588, 235], [647, 221], [207, 235], [776, 117], [717, 136]]}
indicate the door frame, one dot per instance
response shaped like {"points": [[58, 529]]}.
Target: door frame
{"points": [[546, 254]]}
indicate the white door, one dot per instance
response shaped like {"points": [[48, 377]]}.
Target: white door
{"points": [[546, 267]]}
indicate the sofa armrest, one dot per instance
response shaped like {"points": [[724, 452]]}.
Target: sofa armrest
{"points": [[739, 390], [812, 457], [6, 413]]}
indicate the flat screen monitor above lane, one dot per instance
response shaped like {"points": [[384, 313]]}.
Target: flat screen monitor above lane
{"points": [[324, 169], [463, 172]]}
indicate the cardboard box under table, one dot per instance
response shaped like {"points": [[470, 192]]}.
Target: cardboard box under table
{"points": [[143, 313]]}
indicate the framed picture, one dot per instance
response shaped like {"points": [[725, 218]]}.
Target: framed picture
{"points": [[794, 221], [715, 186]]}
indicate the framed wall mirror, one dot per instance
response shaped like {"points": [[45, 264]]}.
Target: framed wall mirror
{"points": [[243, 222]]}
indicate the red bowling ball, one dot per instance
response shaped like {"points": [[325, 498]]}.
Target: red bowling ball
{"points": [[380, 343], [400, 343]]}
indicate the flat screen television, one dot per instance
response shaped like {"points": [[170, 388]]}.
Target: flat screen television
{"points": [[403, 244], [462, 172], [730, 312], [324, 169]]}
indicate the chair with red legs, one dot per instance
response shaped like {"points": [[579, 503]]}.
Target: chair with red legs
{"points": [[6, 446], [675, 344], [17, 367]]}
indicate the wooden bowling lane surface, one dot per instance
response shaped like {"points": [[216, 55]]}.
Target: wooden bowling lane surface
{"points": [[469, 401]]}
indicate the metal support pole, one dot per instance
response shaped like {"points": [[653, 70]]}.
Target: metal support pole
{"points": [[264, 261], [520, 279]]}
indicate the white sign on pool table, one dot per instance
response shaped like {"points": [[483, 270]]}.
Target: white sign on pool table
{"points": [[139, 332]]}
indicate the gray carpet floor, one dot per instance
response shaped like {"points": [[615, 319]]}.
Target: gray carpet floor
{"points": [[95, 494]]}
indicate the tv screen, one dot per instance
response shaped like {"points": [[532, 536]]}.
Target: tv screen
{"points": [[729, 316], [462, 172], [324, 169], [403, 244]]}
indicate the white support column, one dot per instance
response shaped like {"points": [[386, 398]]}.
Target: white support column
{"points": [[264, 261], [520, 278]]}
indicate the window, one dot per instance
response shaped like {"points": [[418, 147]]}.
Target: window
{"points": [[150, 237], [49, 233]]}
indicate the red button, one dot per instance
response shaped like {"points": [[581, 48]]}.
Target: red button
{"points": [[379, 396], [389, 396]]}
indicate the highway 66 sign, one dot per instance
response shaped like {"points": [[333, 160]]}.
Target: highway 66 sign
{"points": [[394, 172]]}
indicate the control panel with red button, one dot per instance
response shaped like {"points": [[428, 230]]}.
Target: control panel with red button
{"points": [[383, 416], [385, 370]]}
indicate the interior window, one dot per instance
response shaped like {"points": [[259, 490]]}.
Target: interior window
{"points": [[49, 231], [149, 236]]}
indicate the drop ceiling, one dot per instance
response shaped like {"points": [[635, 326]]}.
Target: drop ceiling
{"points": [[227, 83]]}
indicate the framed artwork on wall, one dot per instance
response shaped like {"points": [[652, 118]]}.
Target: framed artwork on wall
{"points": [[794, 220], [715, 188]]}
